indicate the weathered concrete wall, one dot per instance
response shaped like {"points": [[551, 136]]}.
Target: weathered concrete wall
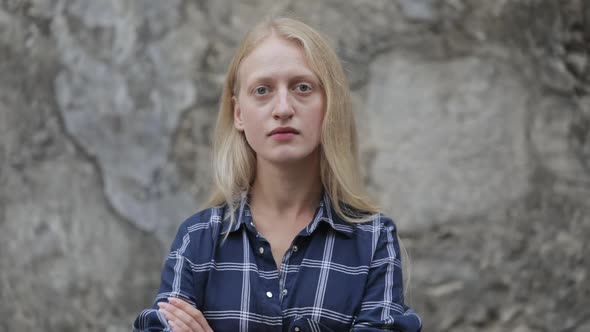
{"points": [[474, 121]]}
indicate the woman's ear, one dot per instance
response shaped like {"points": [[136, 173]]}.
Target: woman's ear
{"points": [[238, 121]]}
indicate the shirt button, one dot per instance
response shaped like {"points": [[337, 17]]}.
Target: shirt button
{"points": [[295, 248], [268, 294], [296, 329], [261, 250], [284, 292]]}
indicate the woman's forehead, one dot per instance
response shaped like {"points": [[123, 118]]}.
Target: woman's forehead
{"points": [[275, 56]]}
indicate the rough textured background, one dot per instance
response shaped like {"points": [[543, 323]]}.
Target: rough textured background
{"points": [[475, 126]]}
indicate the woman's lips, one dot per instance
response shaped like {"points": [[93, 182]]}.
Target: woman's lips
{"points": [[283, 133], [283, 136]]}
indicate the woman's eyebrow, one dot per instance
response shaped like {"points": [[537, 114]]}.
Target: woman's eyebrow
{"points": [[304, 77], [268, 77]]}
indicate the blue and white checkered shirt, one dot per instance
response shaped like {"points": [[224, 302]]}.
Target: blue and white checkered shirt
{"points": [[336, 276]]}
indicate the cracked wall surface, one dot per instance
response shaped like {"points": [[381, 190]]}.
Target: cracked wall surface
{"points": [[474, 119]]}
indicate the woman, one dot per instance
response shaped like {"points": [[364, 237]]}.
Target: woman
{"points": [[290, 242]]}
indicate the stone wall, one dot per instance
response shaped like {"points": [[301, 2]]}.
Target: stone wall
{"points": [[474, 120]]}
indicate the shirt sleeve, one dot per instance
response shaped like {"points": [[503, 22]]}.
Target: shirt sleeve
{"points": [[177, 281], [382, 307]]}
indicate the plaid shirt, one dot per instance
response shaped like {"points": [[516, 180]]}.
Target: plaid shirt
{"points": [[336, 276]]}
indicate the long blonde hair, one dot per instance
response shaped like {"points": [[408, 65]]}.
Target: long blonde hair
{"points": [[235, 161]]}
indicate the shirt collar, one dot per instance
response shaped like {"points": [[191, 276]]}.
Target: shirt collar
{"points": [[325, 213]]}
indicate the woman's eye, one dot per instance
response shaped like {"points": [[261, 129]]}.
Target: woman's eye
{"points": [[261, 90], [304, 87]]}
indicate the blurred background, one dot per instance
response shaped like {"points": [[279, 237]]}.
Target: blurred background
{"points": [[473, 115]]}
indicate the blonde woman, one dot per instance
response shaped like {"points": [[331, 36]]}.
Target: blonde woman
{"points": [[290, 242]]}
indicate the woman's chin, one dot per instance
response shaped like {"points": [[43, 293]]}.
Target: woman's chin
{"points": [[289, 158]]}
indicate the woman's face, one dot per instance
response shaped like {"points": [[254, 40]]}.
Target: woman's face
{"points": [[280, 104]]}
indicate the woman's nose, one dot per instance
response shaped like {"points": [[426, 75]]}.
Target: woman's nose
{"points": [[283, 108]]}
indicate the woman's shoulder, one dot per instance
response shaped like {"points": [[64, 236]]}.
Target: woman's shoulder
{"points": [[364, 220], [205, 220], [377, 223], [198, 235], [385, 221]]}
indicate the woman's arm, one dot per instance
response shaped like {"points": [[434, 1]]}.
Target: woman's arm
{"points": [[383, 307], [183, 317], [177, 282]]}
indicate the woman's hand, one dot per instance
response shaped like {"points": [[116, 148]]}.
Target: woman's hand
{"points": [[183, 317]]}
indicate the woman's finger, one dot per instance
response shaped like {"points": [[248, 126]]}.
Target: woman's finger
{"points": [[195, 314], [180, 326], [182, 320]]}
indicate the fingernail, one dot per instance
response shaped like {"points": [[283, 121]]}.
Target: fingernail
{"points": [[162, 304], [172, 300]]}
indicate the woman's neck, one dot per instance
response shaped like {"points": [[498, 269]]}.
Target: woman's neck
{"points": [[288, 190]]}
